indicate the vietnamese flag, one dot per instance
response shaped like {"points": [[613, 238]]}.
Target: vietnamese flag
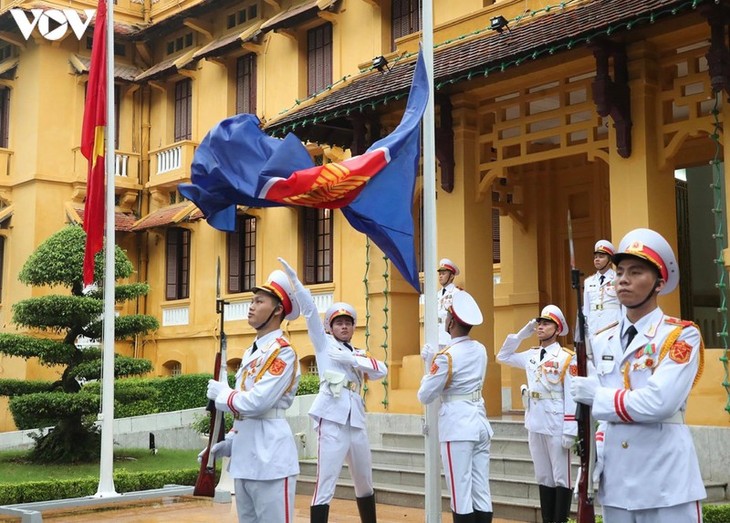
{"points": [[92, 144]]}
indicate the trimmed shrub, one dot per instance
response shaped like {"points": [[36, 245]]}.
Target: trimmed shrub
{"points": [[308, 384], [72, 488]]}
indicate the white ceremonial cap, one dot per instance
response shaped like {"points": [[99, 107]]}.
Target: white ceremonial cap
{"points": [[447, 265], [279, 286], [554, 314], [338, 309], [651, 246], [465, 310], [605, 247]]}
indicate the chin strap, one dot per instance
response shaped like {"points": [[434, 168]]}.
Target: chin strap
{"points": [[648, 297]]}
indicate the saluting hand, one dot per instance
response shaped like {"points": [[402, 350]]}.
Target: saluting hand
{"points": [[528, 330]]}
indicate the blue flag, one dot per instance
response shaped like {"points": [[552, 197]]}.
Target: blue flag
{"points": [[238, 164]]}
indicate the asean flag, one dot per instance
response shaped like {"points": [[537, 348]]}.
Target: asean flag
{"points": [[92, 144], [238, 164]]}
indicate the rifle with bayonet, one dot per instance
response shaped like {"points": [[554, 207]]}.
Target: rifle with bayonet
{"points": [[586, 432], [205, 484]]}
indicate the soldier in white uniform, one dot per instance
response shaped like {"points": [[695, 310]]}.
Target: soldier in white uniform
{"points": [[447, 270], [646, 365], [456, 376], [600, 304], [338, 411], [264, 463], [549, 411]]}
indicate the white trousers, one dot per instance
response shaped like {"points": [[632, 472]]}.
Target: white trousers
{"points": [[685, 513], [337, 444], [270, 501], [466, 467], [552, 461]]}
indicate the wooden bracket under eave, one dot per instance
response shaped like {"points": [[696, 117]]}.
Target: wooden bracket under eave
{"points": [[612, 95], [276, 4], [196, 24], [445, 143], [144, 53], [12, 39]]}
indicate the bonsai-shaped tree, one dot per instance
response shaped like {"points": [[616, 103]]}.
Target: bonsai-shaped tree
{"points": [[54, 322]]}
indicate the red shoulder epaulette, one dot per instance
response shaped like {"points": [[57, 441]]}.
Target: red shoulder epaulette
{"points": [[678, 322], [283, 342]]}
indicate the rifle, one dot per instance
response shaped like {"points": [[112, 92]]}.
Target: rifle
{"points": [[585, 445], [205, 484]]}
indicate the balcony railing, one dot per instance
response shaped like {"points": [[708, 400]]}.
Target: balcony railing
{"points": [[126, 167], [171, 164]]}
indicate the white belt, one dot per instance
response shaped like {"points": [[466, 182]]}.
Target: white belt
{"points": [[472, 396], [535, 395], [604, 306], [677, 417], [269, 414]]}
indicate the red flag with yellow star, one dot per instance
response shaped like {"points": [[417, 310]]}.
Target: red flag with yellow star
{"points": [[92, 144]]}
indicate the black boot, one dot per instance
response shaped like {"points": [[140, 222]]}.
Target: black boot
{"points": [[319, 513], [482, 517], [547, 503], [563, 499], [464, 518], [366, 508]]}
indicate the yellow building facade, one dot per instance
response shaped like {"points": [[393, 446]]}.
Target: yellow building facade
{"points": [[606, 111]]}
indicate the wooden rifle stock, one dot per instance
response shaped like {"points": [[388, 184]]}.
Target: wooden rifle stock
{"points": [[205, 484], [586, 511]]}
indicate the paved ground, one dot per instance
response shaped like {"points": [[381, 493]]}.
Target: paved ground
{"points": [[189, 510]]}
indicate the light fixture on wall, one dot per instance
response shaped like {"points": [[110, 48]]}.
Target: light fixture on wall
{"points": [[499, 24], [381, 64]]}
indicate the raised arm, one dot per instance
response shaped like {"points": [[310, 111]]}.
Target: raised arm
{"points": [[308, 309], [507, 354]]}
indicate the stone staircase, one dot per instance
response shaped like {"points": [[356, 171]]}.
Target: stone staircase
{"points": [[398, 473]]}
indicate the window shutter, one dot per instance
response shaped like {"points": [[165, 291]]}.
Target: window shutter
{"points": [[184, 265], [234, 259], [171, 271], [4, 117], [496, 255], [310, 245]]}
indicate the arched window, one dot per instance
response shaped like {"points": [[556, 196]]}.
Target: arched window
{"points": [[172, 368]]}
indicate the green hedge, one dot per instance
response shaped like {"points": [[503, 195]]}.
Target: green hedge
{"points": [[308, 384], [710, 514], [73, 488]]}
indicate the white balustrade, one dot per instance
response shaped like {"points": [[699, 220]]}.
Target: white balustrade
{"points": [[121, 165], [237, 310], [169, 159], [175, 316], [323, 301]]}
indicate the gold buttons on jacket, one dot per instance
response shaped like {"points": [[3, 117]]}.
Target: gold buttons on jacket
{"points": [[625, 444]]}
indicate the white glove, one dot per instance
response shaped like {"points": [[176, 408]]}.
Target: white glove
{"points": [[292, 274], [598, 466], [343, 357], [222, 448], [528, 330], [567, 441], [427, 352], [583, 389], [215, 387], [202, 453]]}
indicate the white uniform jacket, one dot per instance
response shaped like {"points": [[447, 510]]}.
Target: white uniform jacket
{"points": [[600, 303], [641, 404], [445, 295], [550, 408], [457, 375], [266, 383], [349, 404]]}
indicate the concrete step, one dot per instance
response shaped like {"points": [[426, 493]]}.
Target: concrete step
{"points": [[404, 496], [503, 430]]}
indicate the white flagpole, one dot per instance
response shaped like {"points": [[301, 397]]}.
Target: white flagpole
{"points": [[106, 464], [432, 446]]}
